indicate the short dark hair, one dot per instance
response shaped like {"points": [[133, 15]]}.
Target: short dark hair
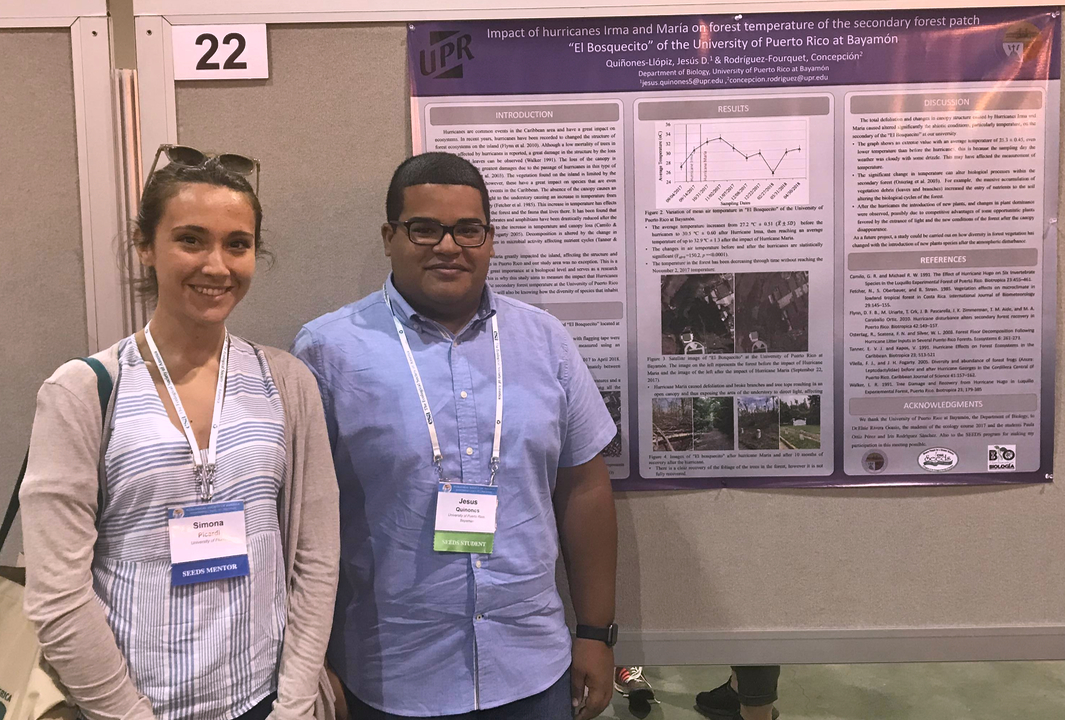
{"points": [[162, 186], [433, 168]]}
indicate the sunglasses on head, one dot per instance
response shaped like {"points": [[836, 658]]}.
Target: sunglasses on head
{"points": [[190, 157]]}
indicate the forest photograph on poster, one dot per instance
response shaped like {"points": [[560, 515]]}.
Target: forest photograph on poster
{"points": [[800, 422], [699, 424]]}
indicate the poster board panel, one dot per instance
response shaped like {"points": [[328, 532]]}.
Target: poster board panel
{"points": [[329, 127], [43, 292]]}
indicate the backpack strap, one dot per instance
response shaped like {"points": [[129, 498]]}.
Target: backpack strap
{"points": [[104, 384], [104, 387], [12, 507]]}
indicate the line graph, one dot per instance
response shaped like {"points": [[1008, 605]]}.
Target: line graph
{"points": [[770, 166], [715, 163]]}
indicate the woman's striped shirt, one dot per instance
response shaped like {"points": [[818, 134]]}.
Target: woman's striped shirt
{"points": [[208, 651]]}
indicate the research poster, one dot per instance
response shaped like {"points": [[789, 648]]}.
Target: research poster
{"points": [[810, 249]]}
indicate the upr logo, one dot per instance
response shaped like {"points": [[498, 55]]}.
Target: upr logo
{"points": [[874, 461], [447, 50], [1022, 41]]}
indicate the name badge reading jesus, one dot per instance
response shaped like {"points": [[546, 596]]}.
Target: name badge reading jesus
{"points": [[207, 542], [465, 518]]}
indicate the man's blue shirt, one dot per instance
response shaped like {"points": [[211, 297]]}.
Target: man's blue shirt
{"points": [[418, 632]]}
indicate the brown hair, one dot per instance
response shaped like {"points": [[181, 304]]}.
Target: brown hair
{"points": [[163, 185]]}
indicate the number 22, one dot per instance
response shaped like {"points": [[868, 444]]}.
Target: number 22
{"points": [[232, 63]]}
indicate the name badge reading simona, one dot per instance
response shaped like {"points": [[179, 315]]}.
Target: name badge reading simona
{"points": [[465, 518], [207, 542]]}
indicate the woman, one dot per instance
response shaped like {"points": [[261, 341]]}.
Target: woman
{"points": [[183, 562]]}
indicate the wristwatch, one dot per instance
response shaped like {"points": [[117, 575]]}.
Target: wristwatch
{"points": [[608, 634]]}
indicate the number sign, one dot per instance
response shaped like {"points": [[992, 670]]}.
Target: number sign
{"points": [[220, 52]]}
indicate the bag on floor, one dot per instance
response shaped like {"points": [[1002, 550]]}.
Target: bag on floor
{"points": [[28, 688]]}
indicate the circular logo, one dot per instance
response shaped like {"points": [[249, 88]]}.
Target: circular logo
{"points": [[937, 459], [447, 487], [179, 513], [874, 461], [1022, 41]]}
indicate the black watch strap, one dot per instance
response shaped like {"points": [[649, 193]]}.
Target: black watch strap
{"points": [[608, 634]]}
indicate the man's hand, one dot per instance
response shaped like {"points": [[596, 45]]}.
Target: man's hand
{"points": [[593, 668], [588, 529]]}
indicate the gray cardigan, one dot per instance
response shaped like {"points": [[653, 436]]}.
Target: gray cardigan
{"points": [[60, 497]]}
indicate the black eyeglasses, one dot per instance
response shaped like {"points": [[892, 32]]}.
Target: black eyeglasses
{"points": [[190, 157], [424, 231]]}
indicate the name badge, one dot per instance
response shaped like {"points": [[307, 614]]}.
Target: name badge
{"points": [[465, 518], [207, 542]]}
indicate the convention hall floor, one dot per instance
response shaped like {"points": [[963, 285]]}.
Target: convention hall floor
{"points": [[939, 691]]}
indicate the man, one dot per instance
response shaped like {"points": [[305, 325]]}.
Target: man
{"points": [[451, 513]]}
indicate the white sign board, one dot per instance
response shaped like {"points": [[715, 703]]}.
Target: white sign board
{"points": [[220, 52]]}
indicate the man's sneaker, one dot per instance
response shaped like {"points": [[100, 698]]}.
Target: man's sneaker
{"points": [[630, 683], [722, 703]]}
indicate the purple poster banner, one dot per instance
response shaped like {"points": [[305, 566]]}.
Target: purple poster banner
{"points": [[730, 52], [794, 250]]}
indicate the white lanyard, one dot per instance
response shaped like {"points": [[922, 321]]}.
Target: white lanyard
{"points": [[202, 460], [438, 457]]}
